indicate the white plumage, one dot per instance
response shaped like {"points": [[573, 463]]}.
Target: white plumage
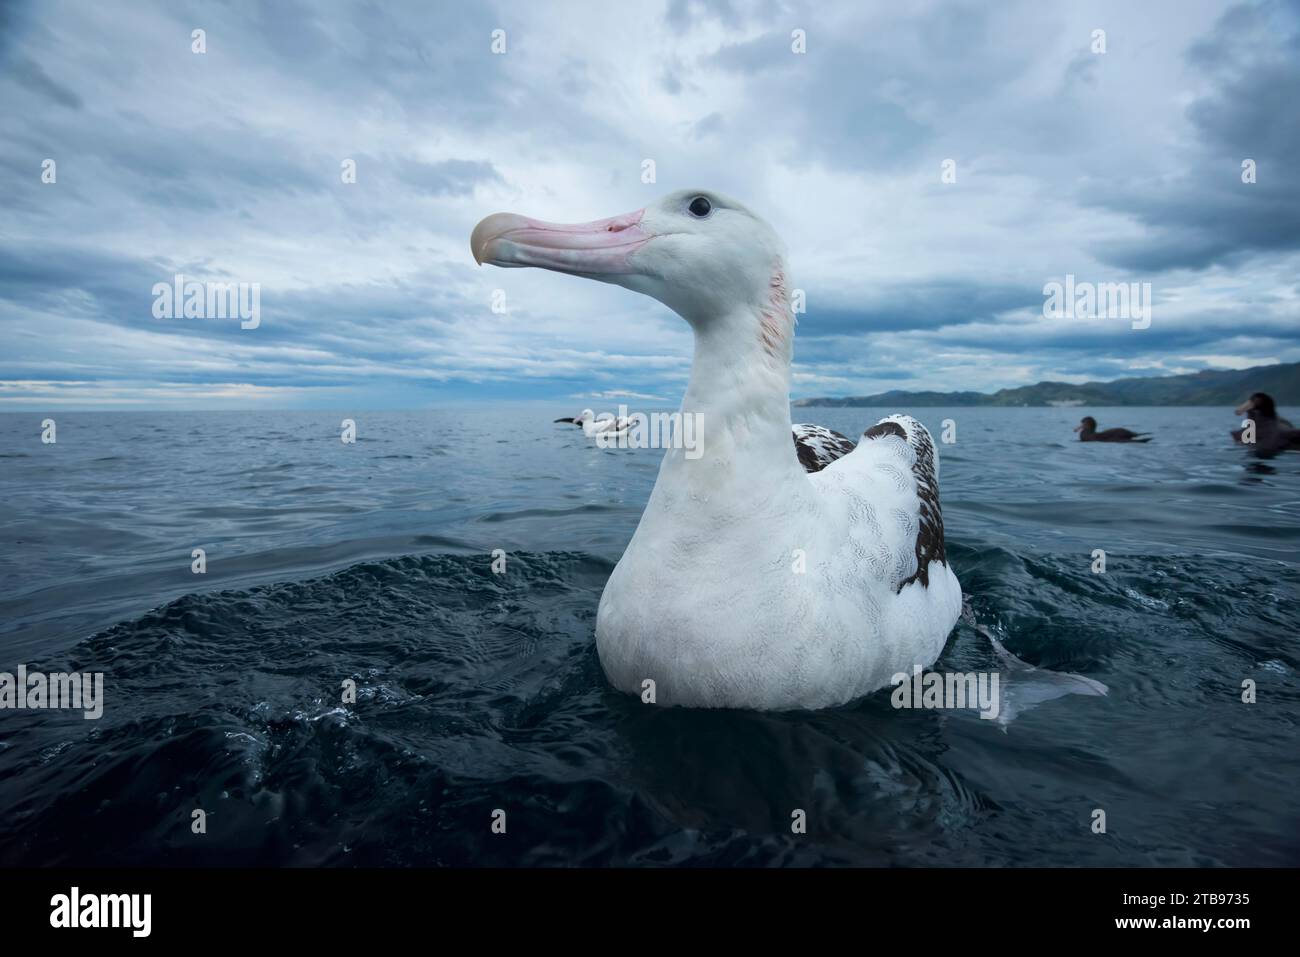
{"points": [[798, 594], [592, 425]]}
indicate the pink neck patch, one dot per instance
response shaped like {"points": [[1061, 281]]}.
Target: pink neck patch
{"points": [[776, 322]]}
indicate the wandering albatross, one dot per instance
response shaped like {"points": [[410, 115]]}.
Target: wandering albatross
{"points": [[610, 426], [766, 573]]}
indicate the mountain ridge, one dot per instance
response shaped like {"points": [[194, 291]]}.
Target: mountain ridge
{"points": [[1207, 387]]}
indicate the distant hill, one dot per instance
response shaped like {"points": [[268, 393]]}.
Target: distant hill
{"points": [[1228, 387]]}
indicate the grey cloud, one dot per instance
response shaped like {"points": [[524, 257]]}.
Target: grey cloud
{"points": [[117, 290], [31, 76], [681, 15], [1082, 70], [1207, 215], [447, 178], [707, 126], [930, 304], [865, 99], [670, 80]]}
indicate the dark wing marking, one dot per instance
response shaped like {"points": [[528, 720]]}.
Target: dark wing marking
{"points": [[818, 447], [885, 428], [929, 533]]}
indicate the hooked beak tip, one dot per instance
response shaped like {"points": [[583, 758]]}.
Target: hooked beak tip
{"points": [[489, 229]]}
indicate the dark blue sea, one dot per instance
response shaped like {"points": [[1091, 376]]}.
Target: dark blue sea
{"points": [[478, 692]]}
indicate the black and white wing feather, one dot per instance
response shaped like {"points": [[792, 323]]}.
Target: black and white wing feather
{"points": [[818, 447]]}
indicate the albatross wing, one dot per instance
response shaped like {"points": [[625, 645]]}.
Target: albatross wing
{"points": [[894, 473], [818, 447]]}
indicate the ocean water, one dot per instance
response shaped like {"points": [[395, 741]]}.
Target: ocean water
{"points": [[480, 692]]}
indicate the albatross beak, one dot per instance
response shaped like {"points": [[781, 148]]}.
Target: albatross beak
{"points": [[596, 249], [1244, 407], [1077, 428]]}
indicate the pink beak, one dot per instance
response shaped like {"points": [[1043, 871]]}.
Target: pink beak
{"points": [[593, 249]]}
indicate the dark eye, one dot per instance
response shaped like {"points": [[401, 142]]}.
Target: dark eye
{"points": [[700, 207]]}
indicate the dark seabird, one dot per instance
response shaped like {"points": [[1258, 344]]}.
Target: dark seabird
{"points": [[1087, 430], [1272, 432]]}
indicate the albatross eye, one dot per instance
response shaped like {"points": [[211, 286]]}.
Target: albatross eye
{"points": [[700, 207]]}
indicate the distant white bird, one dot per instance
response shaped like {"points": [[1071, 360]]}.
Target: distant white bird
{"points": [[612, 426], [765, 573]]}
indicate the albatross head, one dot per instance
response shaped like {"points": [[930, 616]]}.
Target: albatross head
{"points": [[698, 252], [1259, 405]]}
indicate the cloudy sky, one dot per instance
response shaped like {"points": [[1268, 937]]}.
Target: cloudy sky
{"points": [[226, 166]]}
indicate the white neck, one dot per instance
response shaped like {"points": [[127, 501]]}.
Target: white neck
{"points": [[741, 389]]}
